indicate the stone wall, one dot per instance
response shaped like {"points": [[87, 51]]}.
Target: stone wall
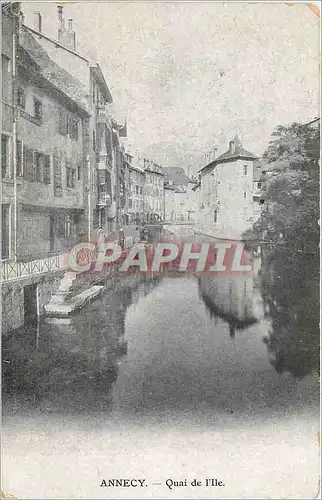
{"points": [[12, 311], [12, 298]]}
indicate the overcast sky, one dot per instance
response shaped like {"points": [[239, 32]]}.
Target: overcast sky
{"points": [[189, 75]]}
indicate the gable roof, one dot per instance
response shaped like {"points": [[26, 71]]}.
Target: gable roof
{"points": [[235, 152], [52, 72], [177, 175]]}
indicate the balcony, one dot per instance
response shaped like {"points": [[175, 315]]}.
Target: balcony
{"points": [[104, 200], [12, 271]]}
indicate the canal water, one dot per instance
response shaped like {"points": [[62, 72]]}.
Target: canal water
{"points": [[157, 380]]}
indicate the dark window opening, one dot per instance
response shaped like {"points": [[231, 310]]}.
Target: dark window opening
{"points": [[244, 194], [70, 177], [215, 215], [21, 98], [37, 109]]}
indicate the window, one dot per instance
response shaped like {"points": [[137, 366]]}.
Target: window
{"points": [[21, 98], [39, 166], [245, 169], [215, 215], [73, 127], [19, 158], [259, 185], [47, 175], [37, 109], [63, 122], [137, 189], [141, 190], [130, 203], [70, 177], [5, 155], [94, 140], [5, 231], [79, 173], [6, 78], [245, 194], [28, 167]]}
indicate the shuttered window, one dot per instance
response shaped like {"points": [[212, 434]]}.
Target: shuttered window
{"points": [[28, 170], [46, 172], [19, 158], [63, 122]]}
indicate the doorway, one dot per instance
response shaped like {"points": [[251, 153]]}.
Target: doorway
{"points": [[30, 302]]}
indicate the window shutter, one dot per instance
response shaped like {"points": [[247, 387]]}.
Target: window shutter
{"points": [[29, 171], [19, 148], [63, 122], [47, 175]]}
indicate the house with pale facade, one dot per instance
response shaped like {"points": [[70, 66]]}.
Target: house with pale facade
{"points": [[226, 205], [180, 198]]}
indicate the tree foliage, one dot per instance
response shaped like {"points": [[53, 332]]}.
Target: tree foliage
{"points": [[289, 234]]}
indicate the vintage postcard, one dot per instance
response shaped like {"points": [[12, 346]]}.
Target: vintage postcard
{"points": [[160, 205]]}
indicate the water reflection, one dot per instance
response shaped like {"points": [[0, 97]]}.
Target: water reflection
{"points": [[232, 299], [70, 364], [290, 290]]}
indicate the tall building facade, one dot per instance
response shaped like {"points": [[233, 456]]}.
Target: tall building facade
{"points": [[44, 129], [135, 184], [154, 191], [102, 144]]}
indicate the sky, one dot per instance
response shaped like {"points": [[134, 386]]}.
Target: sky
{"points": [[188, 76]]}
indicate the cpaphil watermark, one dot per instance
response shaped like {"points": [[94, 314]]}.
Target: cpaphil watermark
{"points": [[163, 257]]}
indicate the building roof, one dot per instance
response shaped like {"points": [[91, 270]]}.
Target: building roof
{"points": [[52, 72], [134, 167], [176, 176], [99, 77], [235, 152]]}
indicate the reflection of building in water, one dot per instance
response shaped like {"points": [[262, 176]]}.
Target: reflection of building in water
{"points": [[70, 364], [231, 298]]}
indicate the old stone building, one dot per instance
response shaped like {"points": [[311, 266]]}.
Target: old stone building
{"points": [[226, 207], [103, 147], [43, 170], [154, 191], [135, 184], [180, 199]]}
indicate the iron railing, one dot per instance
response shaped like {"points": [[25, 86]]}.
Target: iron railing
{"points": [[11, 270]]}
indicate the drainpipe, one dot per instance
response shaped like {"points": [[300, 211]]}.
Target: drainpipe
{"points": [[89, 196], [14, 143]]}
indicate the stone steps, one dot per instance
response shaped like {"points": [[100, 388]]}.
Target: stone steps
{"points": [[64, 309]]}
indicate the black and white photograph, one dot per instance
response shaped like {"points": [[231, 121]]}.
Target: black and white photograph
{"points": [[160, 250]]}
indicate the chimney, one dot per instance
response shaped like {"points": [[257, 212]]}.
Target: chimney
{"points": [[66, 37], [37, 21]]}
